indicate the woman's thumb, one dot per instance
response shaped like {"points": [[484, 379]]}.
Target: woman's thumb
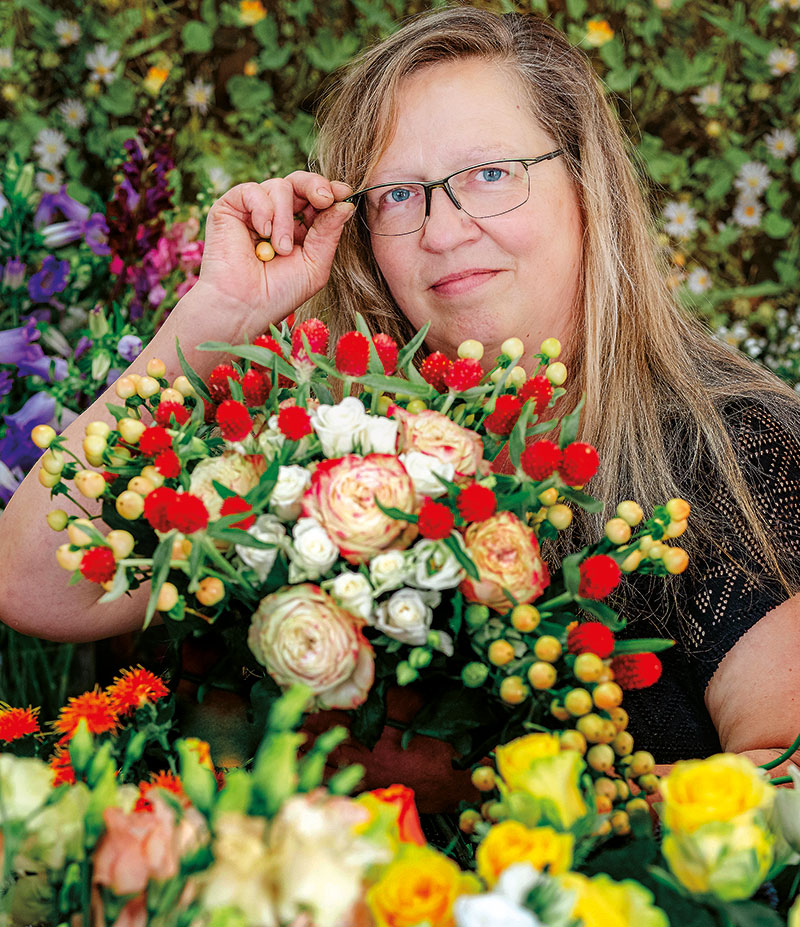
{"points": [[322, 238]]}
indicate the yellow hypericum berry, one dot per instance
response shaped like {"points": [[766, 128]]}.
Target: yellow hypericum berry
{"points": [[573, 740], [76, 536], [156, 368], [147, 387], [497, 374], [183, 386], [513, 690], [656, 550], [131, 429], [646, 541], [68, 559], [129, 505], [125, 387], [559, 516], [637, 806], [607, 695], [602, 829], [600, 757], [53, 461], [623, 743], [467, 821], [513, 348], [483, 778], [416, 405], [551, 347], [120, 454], [548, 497], [556, 373], [517, 377], [679, 509], [181, 548], [588, 667], [557, 710], [547, 648], [167, 597], [57, 519], [121, 543], [383, 404], [171, 395], [631, 563], [649, 783], [578, 702], [642, 763], [48, 480], [603, 804], [471, 349], [630, 512], [493, 811], [620, 823], [675, 559], [618, 531], [42, 436], [591, 726], [676, 528], [525, 618], [605, 786], [623, 792], [620, 718], [542, 675], [101, 429], [500, 652], [90, 483], [141, 485], [211, 591], [264, 251], [150, 473], [93, 447]]}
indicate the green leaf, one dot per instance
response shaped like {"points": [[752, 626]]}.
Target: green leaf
{"points": [[584, 500], [119, 99], [147, 44], [462, 556], [571, 572], [407, 352], [395, 385], [741, 34], [329, 51], [119, 587], [223, 491], [191, 376], [643, 645], [569, 425], [576, 9], [601, 611], [197, 37], [516, 443], [776, 225], [248, 93], [160, 571], [369, 718]]}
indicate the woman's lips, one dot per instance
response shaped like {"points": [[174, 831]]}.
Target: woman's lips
{"points": [[464, 284]]}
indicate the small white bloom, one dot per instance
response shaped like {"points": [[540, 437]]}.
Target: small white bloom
{"points": [[270, 439], [378, 435], [25, 785], [710, 95], [753, 177], [435, 567], [68, 31], [198, 95], [338, 426], [312, 552], [73, 112], [699, 280], [491, 909], [50, 148], [6, 57], [285, 498], [268, 529], [781, 143], [748, 212], [388, 571], [782, 61], [101, 61], [407, 615], [681, 219], [353, 592], [49, 181], [777, 4], [423, 468], [219, 179]]}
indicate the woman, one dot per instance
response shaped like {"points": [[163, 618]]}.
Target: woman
{"points": [[670, 411]]}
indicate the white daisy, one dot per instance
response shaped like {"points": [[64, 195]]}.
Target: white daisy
{"points": [[49, 180], [776, 4], [753, 177], [68, 31], [6, 57], [219, 179], [781, 61], [793, 5], [748, 212], [198, 95], [50, 148], [73, 112], [681, 219], [710, 95], [781, 143], [699, 280], [101, 61]]}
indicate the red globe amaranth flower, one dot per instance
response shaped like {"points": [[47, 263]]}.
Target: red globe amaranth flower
{"points": [[234, 420], [591, 637], [235, 504], [270, 343], [408, 823], [94, 706], [636, 670], [154, 440], [540, 459], [135, 688], [352, 354], [436, 521], [16, 723], [218, 385], [186, 513], [579, 463], [317, 334], [168, 464], [434, 370], [109, 477], [476, 503], [156, 505], [294, 423], [98, 565], [507, 410], [167, 411], [386, 347], [600, 575], [209, 412], [255, 387], [465, 373], [539, 389]]}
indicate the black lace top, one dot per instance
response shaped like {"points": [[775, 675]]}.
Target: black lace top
{"points": [[721, 596]]}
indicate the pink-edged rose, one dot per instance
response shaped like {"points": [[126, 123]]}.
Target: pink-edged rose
{"points": [[433, 433], [342, 499], [506, 554], [300, 634]]}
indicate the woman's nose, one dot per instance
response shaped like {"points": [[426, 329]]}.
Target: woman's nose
{"points": [[446, 226]]}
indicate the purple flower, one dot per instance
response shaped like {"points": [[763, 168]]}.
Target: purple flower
{"points": [[59, 202], [93, 229], [16, 447], [52, 278], [96, 234], [82, 346], [9, 481], [5, 382], [17, 347], [14, 274], [129, 347], [113, 375]]}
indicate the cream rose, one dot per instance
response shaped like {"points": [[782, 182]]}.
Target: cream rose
{"points": [[378, 435], [407, 615], [284, 500], [424, 469], [268, 529], [434, 433], [312, 552], [338, 426], [233, 470], [300, 634], [342, 499], [388, 571], [434, 566], [353, 592]]}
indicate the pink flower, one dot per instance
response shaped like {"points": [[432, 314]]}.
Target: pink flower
{"points": [[342, 497], [434, 433], [183, 288], [191, 254], [163, 257], [300, 634]]}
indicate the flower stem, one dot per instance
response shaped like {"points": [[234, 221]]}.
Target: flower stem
{"points": [[780, 780], [784, 756]]}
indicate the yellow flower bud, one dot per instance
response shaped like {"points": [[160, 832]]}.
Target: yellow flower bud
{"points": [[551, 347], [623, 744], [607, 695], [500, 652], [48, 480], [556, 373], [587, 667], [93, 447], [42, 436], [678, 509], [53, 461], [101, 429], [211, 591], [129, 505], [559, 516], [131, 429], [471, 349], [547, 648], [600, 757], [171, 395], [517, 377], [618, 531], [642, 763], [483, 778], [90, 483], [548, 497], [675, 559], [542, 675], [591, 726], [513, 348], [525, 618], [156, 368], [578, 702], [513, 690]]}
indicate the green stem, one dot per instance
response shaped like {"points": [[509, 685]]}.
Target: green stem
{"points": [[451, 398], [781, 780], [221, 562], [564, 599], [784, 756]]}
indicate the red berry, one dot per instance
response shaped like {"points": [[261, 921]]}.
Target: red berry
{"points": [[154, 440], [255, 387], [167, 411], [506, 412], [600, 575], [218, 385], [187, 513], [465, 373], [636, 670], [540, 459], [476, 503], [386, 347], [234, 420], [591, 637], [235, 504], [434, 369], [540, 390], [436, 521], [294, 423], [168, 464], [156, 504], [317, 334], [579, 463], [98, 565], [352, 354]]}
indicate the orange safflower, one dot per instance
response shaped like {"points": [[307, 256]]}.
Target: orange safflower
{"points": [[134, 689], [17, 722], [160, 780], [95, 706], [61, 765], [251, 12], [202, 750]]}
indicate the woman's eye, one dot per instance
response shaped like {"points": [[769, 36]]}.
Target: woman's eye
{"points": [[491, 173], [396, 196]]}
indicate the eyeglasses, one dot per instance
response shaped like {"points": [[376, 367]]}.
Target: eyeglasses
{"points": [[482, 191]]}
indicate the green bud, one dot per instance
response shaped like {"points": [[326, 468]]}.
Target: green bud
{"points": [[405, 673], [312, 767], [236, 794], [287, 712], [98, 324], [135, 749], [474, 675], [476, 615], [419, 658], [275, 772], [24, 184], [101, 364], [198, 780], [100, 761], [81, 748], [344, 781]]}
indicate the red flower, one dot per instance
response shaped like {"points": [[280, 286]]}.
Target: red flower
{"points": [[135, 688], [294, 423], [166, 411], [436, 521], [234, 420], [156, 504], [579, 463], [636, 670], [255, 387], [600, 575], [109, 477], [268, 342], [540, 459], [209, 412], [317, 334], [352, 354], [94, 706], [386, 347], [168, 464], [154, 440], [236, 504], [63, 773], [186, 513], [434, 369], [591, 637], [465, 373], [540, 390], [18, 722], [476, 503], [408, 823], [160, 780], [218, 385], [506, 412], [98, 565]]}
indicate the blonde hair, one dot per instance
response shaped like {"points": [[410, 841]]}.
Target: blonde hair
{"points": [[652, 376]]}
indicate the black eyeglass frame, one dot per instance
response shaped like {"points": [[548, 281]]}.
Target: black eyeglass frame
{"points": [[430, 185]]}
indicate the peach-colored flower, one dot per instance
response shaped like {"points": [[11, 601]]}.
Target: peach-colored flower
{"points": [[342, 496], [434, 433], [233, 470], [506, 554]]}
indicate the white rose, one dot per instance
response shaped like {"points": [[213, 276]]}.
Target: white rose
{"points": [[313, 552], [435, 567], [338, 426], [378, 435], [288, 491], [422, 469], [25, 785], [270, 439], [489, 910], [268, 529], [407, 615], [388, 571], [353, 592]]}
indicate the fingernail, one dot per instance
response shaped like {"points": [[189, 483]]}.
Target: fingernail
{"points": [[286, 243], [323, 192]]}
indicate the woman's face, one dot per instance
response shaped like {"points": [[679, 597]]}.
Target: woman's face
{"points": [[519, 272]]}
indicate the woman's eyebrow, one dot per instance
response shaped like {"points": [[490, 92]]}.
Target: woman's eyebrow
{"points": [[465, 158]]}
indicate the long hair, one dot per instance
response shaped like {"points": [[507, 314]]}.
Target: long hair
{"points": [[659, 390]]}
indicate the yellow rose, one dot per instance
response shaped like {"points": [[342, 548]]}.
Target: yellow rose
{"points": [[235, 471], [719, 788], [602, 902], [419, 887], [511, 842], [515, 757], [550, 792], [794, 915]]}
